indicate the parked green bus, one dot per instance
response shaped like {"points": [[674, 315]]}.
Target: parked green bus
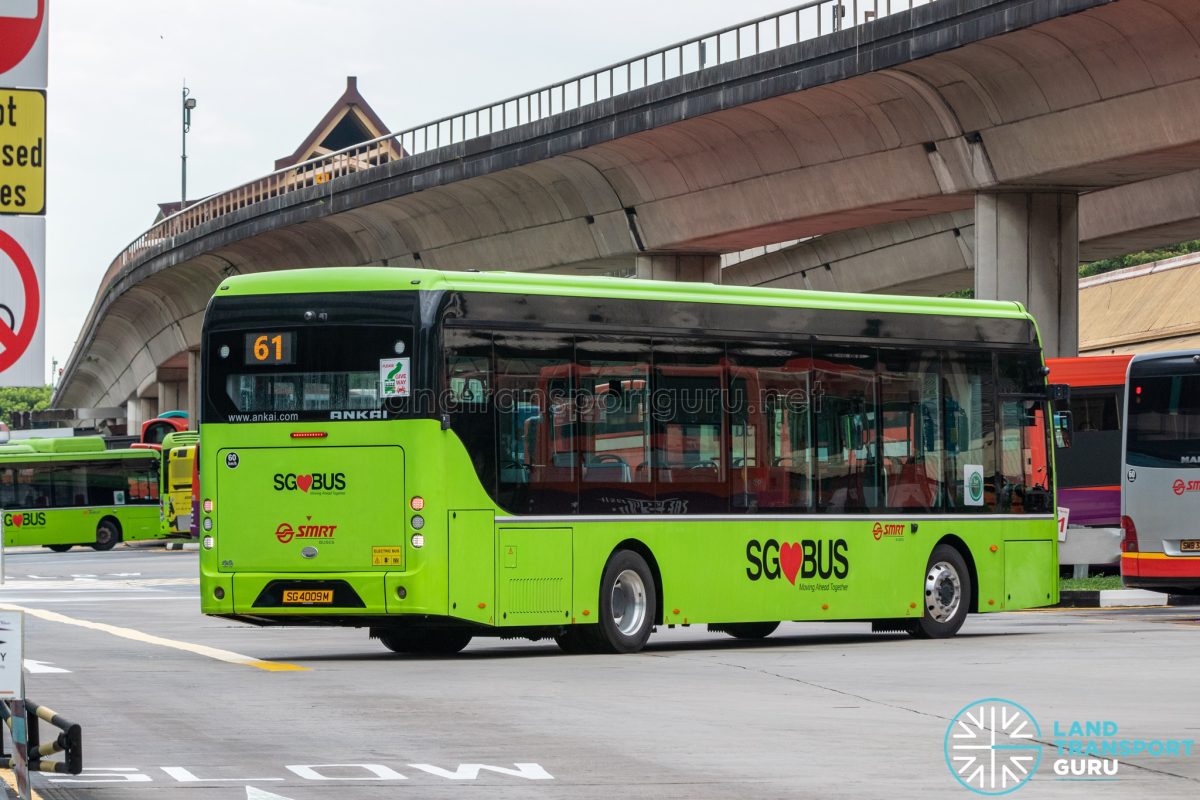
{"points": [[441, 455], [175, 482], [72, 491]]}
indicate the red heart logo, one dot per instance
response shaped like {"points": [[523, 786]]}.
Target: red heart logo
{"points": [[18, 520], [790, 557], [303, 482]]}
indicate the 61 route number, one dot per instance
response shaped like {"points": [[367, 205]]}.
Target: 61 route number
{"points": [[270, 348]]}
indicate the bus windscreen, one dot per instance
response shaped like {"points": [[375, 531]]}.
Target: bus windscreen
{"points": [[1164, 421]]}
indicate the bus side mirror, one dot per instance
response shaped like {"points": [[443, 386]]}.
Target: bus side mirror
{"points": [[1062, 429]]}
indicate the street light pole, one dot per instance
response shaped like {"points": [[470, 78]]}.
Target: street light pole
{"points": [[188, 104]]}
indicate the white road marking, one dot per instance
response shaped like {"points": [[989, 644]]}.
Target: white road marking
{"points": [[228, 656], [35, 667], [253, 793]]}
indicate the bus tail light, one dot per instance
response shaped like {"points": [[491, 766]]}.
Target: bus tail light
{"points": [[208, 505], [208, 543], [1129, 542], [417, 503], [309, 434]]}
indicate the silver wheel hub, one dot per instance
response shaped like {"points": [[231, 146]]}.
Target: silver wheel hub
{"points": [[943, 591], [629, 602]]}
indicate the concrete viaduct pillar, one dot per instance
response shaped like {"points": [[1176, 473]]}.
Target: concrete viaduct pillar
{"points": [[672, 267], [1027, 249]]}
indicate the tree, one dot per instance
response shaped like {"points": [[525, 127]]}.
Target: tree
{"points": [[22, 399]]}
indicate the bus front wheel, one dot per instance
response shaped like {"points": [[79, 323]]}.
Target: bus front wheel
{"points": [[424, 642], [628, 602], [107, 536], [947, 595]]}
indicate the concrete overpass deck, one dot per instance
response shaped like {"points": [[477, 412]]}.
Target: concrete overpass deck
{"points": [[884, 124]]}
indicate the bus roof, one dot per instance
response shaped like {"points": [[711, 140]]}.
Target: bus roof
{"points": [[362, 279], [1083, 371], [68, 444], [23, 452]]}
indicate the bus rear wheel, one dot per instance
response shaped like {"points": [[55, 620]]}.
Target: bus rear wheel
{"points": [[424, 642], [59, 548], [107, 536], [628, 602], [947, 595], [573, 642], [750, 630]]}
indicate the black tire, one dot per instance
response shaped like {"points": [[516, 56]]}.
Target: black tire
{"points": [[947, 595], [628, 604], [59, 548], [573, 642], [107, 535], [424, 642], [750, 630]]}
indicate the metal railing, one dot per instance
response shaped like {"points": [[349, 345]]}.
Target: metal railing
{"points": [[750, 38]]}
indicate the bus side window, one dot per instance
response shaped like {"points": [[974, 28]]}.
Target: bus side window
{"points": [[969, 411], [847, 452], [536, 450], [910, 392], [468, 399]]}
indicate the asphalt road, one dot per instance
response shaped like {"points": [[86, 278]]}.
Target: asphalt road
{"points": [[176, 705]]}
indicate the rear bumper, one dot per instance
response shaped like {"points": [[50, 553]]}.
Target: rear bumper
{"points": [[260, 595], [1161, 572]]}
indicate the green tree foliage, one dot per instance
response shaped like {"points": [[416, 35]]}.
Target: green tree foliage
{"points": [[1134, 259], [22, 399]]}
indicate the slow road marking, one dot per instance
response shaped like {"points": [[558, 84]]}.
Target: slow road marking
{"points": [[228, 656]]}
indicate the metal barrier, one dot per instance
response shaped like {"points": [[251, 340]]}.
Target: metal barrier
{"points": [[69, 742]]}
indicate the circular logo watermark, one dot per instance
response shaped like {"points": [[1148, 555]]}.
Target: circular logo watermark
{"points": [[991, 746]]}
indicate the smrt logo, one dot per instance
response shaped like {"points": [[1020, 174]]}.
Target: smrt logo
{"points": [[284, 532], [1180, 486], [808, 558], [880, 530], [315, 481], [28, 519]]}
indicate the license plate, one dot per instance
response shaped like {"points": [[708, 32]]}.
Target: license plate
{"points": [[1190, 546], [305, 597]]}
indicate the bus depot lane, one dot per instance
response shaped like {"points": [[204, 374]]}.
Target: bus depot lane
{"points": [[816, 710]]}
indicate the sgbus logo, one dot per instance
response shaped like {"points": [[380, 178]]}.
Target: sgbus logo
{"points": [[28, 519], [312, 481], [808, 558]]}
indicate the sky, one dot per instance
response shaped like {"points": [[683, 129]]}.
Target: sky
{"points": [[263, 73]]}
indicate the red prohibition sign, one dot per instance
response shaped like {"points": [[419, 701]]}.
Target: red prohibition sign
{"points": [[17, 36], [14, 343]]}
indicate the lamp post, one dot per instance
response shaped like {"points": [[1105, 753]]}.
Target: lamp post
{"points": [[188, 104]]}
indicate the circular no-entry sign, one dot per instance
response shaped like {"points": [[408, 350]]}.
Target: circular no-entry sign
{"points": [[14, 342], [17, 36]]}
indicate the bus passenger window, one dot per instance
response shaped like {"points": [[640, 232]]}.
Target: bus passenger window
{"points": [[910, 394], [688, 456], [535, 422], [969, 414], [613, 408], [467, 399], [770, 404], [847, 457]]}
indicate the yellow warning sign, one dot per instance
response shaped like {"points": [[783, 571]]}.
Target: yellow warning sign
{"points": [[22, 151], [387, 556]]}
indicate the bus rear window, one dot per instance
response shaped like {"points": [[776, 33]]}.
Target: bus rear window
{"points": [[288, 373], [1164, 421]]}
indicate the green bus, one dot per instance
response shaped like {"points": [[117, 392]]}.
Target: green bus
{"points": [[175, 482], [63, 492], [441, 455]]}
